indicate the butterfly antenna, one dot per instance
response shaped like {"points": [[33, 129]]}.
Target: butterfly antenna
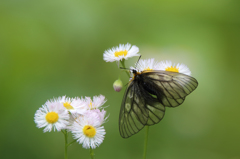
{"points": [[138, 61]]}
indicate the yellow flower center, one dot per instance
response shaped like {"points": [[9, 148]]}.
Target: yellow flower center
{"points": [[89, 131], [52, 117], [148, 69], [121, 53], [90, 105], [67, 105], [172, 69]]}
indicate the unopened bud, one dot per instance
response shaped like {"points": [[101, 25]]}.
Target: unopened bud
{"points": [[117, 85]]}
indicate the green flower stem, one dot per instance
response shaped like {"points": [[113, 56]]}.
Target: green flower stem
{"points": [[71, 142], [91, 153], [66, 142], [65, 133], [123, 65], [145, 142]]}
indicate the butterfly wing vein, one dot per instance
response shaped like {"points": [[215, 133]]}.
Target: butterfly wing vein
{"points": [[146, 106]]}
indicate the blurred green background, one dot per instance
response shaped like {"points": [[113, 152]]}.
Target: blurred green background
{"points": [[54, 48]]}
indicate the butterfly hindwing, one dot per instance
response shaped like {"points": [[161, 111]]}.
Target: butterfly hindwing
{"points": [[156, 112], [155, 109]]}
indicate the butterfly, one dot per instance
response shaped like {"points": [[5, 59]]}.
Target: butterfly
{"points": [[147, 95]]}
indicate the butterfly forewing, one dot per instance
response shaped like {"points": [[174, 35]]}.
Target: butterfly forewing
{"points": [[133, 114], [188, 83], [171, 87]]}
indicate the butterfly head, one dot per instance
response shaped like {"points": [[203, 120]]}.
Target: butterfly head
{"points": [[135, 74], [134, 71]]}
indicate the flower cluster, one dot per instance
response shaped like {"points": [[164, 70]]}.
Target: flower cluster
{"points": [[126, 51], [83, 117]]}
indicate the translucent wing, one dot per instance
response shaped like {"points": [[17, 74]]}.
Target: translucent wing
{"points": [[138, 109], [147, 95], [171, 88], [133, 114]]}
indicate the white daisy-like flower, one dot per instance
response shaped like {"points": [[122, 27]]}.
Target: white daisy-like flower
{"points": [[120, 53], [73, 105], [87, 130], [146, 65], [97, 114], [97, 101], [180, 68], [52, 115]]}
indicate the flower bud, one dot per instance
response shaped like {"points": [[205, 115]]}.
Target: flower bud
{"points": [[117, 85]]}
